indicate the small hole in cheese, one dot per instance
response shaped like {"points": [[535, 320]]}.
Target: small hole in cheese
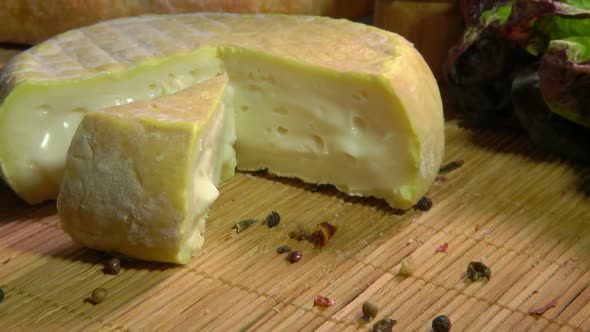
{"points": [[282, 130], [319, 142], [280, 110], [362, 95], [255, 87], [44, 108], [244, 108], [270, 78]]}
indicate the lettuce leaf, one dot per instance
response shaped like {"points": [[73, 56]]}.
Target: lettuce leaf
{"points": [[504, 38], [564, 74]]}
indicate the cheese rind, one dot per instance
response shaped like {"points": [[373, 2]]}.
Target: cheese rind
{"points": [[342, 77], [140, 178]]}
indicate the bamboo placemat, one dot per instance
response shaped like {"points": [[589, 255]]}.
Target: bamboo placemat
{"points": [[526, 214]]}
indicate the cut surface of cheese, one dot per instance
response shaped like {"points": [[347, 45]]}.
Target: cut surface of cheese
{"points": [[324, 100], [140, 177]]}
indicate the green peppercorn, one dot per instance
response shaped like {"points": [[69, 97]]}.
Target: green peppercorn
{"points": [[370, 311], [408, 266], [244, 224], [98, 295], [283, 249]]}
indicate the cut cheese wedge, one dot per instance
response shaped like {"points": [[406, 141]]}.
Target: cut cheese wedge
{"points": [[141, 177], [323, 100]]}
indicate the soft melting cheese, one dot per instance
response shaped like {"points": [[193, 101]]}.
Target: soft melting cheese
{"points": [[324, 100], [140, 178]]}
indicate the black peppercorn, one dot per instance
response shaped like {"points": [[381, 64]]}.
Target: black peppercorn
{"points": [[113, 266], [478, 270], [441, 323], [384, 325], [424, 204], [273, 219]]}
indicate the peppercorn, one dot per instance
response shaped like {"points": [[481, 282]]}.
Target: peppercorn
{"points": [[478, 270], [453, 165], [244, 224], [283, 249], [294, 256], [370, 311], [384, 325], [113, 266], [407, 267], [1, 295], [424, 204], [441, 323], [98, 295], [323, 234], [323, 301], [273, 219]]}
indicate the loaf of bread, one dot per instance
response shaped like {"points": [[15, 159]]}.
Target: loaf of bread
{"points": [[32, 21]]}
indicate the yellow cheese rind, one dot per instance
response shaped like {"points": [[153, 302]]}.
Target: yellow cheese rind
{"points": [[139, 178], [418, 93], [379, 68]]}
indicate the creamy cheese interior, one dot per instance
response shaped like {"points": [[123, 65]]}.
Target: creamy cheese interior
{"points": [[36, 172], [319, 126], [213, 149], [293, 119]]}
